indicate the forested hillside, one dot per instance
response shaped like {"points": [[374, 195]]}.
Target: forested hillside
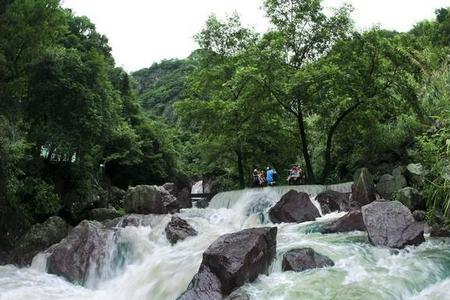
{"points": [[312, 91], [68, 117]]}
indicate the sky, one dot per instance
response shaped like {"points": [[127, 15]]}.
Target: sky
{"points": [[142, 32]]}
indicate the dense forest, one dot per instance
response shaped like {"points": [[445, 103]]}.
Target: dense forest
{"points": [[312, 90]]}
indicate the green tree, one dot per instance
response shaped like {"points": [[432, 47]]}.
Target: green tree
{"points": [[303, 33]]}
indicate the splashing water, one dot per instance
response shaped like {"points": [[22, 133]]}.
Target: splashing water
{"points": [[143, 265]]}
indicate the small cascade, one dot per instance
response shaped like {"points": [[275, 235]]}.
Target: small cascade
{"points": [[197, 188], [230, 199]]}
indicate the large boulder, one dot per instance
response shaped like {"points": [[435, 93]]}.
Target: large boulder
{"points": [[299, 260], [389, 184], [350, 222], [178, 229], [363, 189], [39, 238], [80, 253], [411, 198], [181, 191], [334, 201], [103, 214], [150, 199], [232, 260], [391, 224], [294, 207]]}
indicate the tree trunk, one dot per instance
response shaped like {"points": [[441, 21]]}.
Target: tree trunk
{"points": [[304, 145], [331, 132], [240, 163]]}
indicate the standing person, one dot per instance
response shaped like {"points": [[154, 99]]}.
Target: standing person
{"points": [[262, 178], [255, 177], [270, 176]]}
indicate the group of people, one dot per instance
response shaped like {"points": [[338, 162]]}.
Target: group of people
{"points": [[264, 178], [269, 176]]}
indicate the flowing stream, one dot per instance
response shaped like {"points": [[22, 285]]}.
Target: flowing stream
{"points": [[147, 267]]}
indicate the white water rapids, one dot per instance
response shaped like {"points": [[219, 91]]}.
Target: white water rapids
{"points": [[151, 269]]}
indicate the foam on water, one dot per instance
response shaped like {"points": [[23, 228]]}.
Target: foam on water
{"points": [[143, 265]]}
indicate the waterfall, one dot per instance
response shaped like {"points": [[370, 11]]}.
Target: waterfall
{"points": [[143, 265], [229, 199]]}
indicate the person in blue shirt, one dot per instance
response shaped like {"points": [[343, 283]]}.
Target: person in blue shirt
{"points": [[270, 176]]}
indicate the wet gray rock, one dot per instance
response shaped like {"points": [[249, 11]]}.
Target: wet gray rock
{"points": [[363, 189], [411, 198], [331, 201], [238, 294], [103, 214], [80, 252], [178, 229], [232, 260], [389, 184], [294, 207], [350, 222], [150, 199], [391, 224], [38, 239], [204, 286], [299, 260]]}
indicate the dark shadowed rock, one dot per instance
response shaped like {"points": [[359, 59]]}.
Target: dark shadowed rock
{"points": [[299, 260], [363, 189], [116, 197], [202, 203], [389, 184], [39, 238], [350, 222], [178, 229], [391, 224], [440, 231], [4, 258], [150, 199], [232, 260], [102, 214], [294, 207], [419, 215], [411, 198], [334, 201], [415, 174], [181, 191], [80, 252]]}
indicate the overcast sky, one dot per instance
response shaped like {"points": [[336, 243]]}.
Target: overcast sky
{"points": [[145, 31]]}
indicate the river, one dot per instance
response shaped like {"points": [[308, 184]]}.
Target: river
{"points": [[149, 268]]}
